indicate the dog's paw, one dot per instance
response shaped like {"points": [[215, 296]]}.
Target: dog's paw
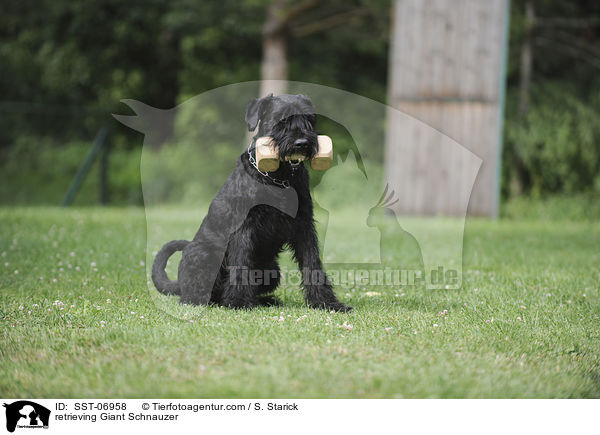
{"points": [[340, 307]]}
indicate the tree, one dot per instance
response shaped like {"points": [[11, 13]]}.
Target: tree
{"points": [[285, 19]]}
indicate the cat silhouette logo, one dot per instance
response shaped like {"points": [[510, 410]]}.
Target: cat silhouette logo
{"points": [[26, 414]]}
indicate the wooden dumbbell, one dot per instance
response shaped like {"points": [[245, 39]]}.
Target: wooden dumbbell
{"points": [[267, 158], [324, 157]]}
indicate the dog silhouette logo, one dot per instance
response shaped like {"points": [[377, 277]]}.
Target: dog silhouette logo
{"points": [[26, 414]]}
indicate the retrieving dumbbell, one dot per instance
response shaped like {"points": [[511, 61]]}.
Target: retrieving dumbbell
{"points": [[267, 158]]}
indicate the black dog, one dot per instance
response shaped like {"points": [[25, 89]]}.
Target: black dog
{"points": [[232, 260]]}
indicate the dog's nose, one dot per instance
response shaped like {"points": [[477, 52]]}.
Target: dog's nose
{"points": [[300, 142]]}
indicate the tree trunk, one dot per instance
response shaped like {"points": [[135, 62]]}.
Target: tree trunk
{"points": [[519, 174], [526, 59], [274, 65]]}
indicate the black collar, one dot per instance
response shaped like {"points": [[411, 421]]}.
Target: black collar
{"points": [[281, 183]]}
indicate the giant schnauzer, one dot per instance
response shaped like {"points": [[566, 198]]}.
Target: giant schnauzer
{"points": [[232, 260]]}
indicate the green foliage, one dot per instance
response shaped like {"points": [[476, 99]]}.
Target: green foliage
{"points": [[555, 147], [66, 65], [76, 55], [40, 172]]}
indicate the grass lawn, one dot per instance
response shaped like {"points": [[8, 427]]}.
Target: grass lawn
{"points": [[77, 320]]}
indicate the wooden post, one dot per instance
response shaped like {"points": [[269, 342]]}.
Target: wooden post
{"points": [[447, 69]]}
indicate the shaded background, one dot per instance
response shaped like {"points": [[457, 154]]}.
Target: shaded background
{"points": [[65, 65]]}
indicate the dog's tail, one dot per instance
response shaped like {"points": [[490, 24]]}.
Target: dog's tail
{"points": [[159, 275]]}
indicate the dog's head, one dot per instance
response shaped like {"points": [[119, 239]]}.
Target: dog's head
{"points": [[290, 120]]}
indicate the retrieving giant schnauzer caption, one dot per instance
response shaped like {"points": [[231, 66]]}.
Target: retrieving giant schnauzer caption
{"points": [[253, 217]]}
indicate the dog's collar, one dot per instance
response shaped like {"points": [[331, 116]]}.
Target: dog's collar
{"points": [[282, 183]]}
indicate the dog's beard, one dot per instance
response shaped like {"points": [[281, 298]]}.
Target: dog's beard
{"points": [[285, 134]]}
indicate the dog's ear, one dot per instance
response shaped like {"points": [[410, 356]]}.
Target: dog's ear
{"points": [[254, 111], [305, 98]]}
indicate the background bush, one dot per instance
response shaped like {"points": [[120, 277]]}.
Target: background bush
{"points": [[555, 147]]}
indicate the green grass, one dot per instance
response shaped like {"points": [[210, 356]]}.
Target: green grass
{"points": [[78, 320], [582, 207]]}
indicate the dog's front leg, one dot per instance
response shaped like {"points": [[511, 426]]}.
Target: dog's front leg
{"points": [[239, 295], [318, 290]]}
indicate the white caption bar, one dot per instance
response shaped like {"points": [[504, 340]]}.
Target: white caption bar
{"points": [[115, 416]]}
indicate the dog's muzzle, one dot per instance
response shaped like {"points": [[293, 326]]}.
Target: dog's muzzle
{"points": [[297, 157], [301, 149]]}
